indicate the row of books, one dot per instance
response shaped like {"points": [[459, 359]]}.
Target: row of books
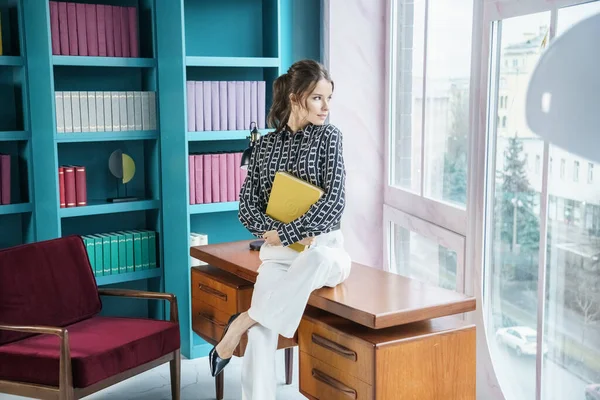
{"points": [[93, 30], [215, 177], [92, 111], [72, 186], [121, 252], [197, 239], [5, 179], [225, 105]]}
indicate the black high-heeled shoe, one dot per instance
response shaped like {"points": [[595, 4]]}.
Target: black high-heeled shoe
{"points": [[217, 364]]}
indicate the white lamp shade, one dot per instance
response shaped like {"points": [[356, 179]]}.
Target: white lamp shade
{"points": [[563, 97]]}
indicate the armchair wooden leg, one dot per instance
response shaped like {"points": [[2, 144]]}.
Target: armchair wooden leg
{"points": [[219, 381], [175, 365], [289, 365]]}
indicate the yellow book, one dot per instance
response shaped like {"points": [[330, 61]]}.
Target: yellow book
{"points": [[291, 198]]}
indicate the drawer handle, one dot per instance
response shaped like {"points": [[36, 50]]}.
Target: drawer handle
{"points": [[336, 348], [334, 383], [210, 319], [213, 292]]}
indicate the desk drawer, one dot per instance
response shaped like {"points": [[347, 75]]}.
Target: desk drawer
{"points": [[324, 382], [209, 323], [337, 349], [220, 291]]}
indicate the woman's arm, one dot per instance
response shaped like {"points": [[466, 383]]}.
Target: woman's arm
{"points": [[327, 212], [251, 213]]}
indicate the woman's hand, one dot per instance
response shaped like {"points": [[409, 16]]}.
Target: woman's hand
{"points": [[272, 238]]}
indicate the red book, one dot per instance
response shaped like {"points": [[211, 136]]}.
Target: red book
{"points": [[116, 23], [101, 26], [54, 30], [91, 29], [125, 32], [70, 197], [80, 186], [4, 179], [109, 30], [134, 48], [61, 187], [72, 29], [81, 29], [63, 28]]}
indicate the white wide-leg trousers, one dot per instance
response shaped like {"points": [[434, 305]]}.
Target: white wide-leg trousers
{"points": [[285, 281]]}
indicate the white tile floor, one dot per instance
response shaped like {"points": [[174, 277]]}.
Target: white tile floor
{"points": [[196, 383]]}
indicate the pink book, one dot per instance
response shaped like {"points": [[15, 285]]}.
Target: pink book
{"points": [[54, 30], [4, 179], [223, 105], [231, 124], [80, 186], [254, 102], [247, 117], [215, 178], [207, 184], [125, 31], [81, 29], [61, 187], [190, 94], [207, 102], [214, 97], [223, 176], [192, 178], [101, 25], [116, 22], [239, 106], [199, 163], [63, 28], [230, 176], [70, 196], [134, 47], [91, 29], [199, 102], [109, 30], [237, 159], [72, 29], [262, 103]]}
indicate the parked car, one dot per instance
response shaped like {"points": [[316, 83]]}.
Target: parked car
{"points": [[522, 339], [592, 392]]}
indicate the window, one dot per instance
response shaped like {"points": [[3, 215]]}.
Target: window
{"points": [[590, 173], [576, 171]]}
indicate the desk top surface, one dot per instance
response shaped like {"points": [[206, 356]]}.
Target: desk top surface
{"points": [[370, 297]]}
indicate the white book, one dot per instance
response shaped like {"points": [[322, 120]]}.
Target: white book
{"points": [[60, 112], [130, 112], [108, 123], [123, 110], [76, 108], [115, 111], [84, 111], [68, 112], [92, 111], [152, 109], [137, 111], [145, 111], [99, 111]]}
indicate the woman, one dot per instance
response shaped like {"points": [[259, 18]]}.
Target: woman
{"points": [[303, 145]]}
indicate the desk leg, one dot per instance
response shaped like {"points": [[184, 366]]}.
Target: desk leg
{"points": [[219, 381], [289, 365]]}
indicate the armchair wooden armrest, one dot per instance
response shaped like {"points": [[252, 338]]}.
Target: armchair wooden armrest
{"points": [[65, 374], [141, 294]]}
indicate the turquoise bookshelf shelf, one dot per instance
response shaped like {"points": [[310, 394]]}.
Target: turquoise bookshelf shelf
{"points": [[96, 208], [248, 62], [214, 207], [14, 135], [11, 61], [129, 277], [78, 137], [86, 61], [15, 208], [211, 136]]}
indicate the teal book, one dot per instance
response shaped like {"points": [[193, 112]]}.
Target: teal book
{"points": [[98, 254], [152, 249], [114, 253], [88, 241], [129, 253], [144, 249], [105, 253], [122, 252], [137, 250]]}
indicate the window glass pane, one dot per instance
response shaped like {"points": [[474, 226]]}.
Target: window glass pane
{"points": [[408, 84], [447, 99], [420, 258], [572, 315], [513, 248]]}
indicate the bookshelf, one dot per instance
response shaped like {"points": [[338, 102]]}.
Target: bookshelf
{"points": [[179, 41]]}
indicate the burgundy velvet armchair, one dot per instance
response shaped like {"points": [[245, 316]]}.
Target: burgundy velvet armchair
{"points": [[53, 343]]}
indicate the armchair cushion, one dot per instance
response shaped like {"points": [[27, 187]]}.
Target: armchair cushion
{"points": [[46, 283], [100, 348]]}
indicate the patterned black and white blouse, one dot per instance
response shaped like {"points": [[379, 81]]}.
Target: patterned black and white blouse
{"points": [[313, 154]]}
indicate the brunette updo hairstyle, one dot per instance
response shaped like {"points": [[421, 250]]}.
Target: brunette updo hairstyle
{"points": [[300, 80]]}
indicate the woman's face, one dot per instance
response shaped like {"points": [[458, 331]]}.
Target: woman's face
{"points": [[317, 104]]}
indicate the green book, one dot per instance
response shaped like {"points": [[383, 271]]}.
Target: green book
{"points": [[105, 253], [137, 250], [88, 241], [122, 252], [152, 249], [114, 253], [99, 255], [144, 248], [129, 261]]}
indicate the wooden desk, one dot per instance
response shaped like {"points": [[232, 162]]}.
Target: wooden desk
{"points": [[378, 335]]}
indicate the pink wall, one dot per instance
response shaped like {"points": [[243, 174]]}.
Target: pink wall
{"points": [[355, 52]]}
